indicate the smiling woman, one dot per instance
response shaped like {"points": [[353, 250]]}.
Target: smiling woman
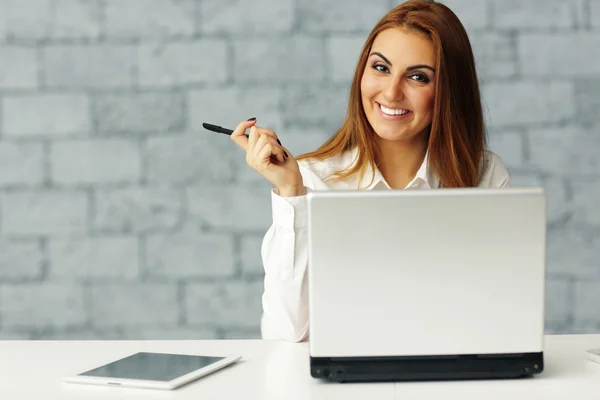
{"points": [[418, 64], [414, 121]]}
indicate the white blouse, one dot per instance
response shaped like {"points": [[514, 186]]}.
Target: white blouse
{"points": [[285, 245]]}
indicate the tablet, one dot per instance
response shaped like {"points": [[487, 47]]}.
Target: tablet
{"points": [[152, 370]]}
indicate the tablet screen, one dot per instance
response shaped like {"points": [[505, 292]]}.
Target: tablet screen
{"points": [[152, 366]]}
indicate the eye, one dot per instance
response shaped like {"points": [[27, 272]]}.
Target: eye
{"points": [[419, 77], [381, 68]]}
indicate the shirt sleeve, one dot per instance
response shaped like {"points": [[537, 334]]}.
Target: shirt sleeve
{"points": [[284, 254], [495, 174]]}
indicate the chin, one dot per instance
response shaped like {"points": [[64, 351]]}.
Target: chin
{"points": [[386, 134]]}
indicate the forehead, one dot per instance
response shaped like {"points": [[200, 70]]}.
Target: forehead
{"points": [[405, 47]]}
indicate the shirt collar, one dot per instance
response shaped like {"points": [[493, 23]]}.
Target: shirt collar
{"points": [[424, 178]]}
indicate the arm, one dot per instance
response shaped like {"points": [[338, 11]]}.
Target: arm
{"points": [[285, 258]]}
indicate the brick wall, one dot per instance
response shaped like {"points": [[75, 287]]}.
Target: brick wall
{"points": [[121, 218]]}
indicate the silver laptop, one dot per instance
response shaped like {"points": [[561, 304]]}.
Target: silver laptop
{"points": [[426, 284]]}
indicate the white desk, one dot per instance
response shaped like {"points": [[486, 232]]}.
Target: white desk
{"points": [[276, 370]]}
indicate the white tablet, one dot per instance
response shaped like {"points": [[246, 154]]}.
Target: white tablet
{"points": [[152, 370]]}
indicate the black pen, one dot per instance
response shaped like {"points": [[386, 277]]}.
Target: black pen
{"points": [[220, 129]]}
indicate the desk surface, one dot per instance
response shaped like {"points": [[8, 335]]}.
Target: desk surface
{"points": [[276, 370]]}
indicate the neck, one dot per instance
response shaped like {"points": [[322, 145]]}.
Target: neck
{"points": [[399, 160]]}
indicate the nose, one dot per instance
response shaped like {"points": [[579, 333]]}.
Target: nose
{"points": [[393, 91]]}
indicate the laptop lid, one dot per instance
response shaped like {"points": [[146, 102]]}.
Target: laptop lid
{"points": [[426, 272]]}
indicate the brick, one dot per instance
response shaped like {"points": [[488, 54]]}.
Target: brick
{"points": [[533, 14], [95, 161], [525, 179], [151, 112], [315, 106], [495, 55], [114, 257], [594, 13], [14, 335], [45, 115], [179, 333], [149, 19], [190, 158], [183, 63], [543, 54], [588, 101], [228, 304], [582, 14], [190, 253], [472, 14], [44, 213], [250, 255], [21, 71], [557, 200], [525, 102], [246, 18], [559, 301], [587, 298], [343, 54], [42, 305], [243, 334], [303, 140], [50, 19], [337, 16], [569, 151], [20, 260], [215, 106], [22, 164], [509, 147], [585, 202], [573, 250], [134, 305], [277, 61], [240, 208], [89, 66], [137, 209], [77, 334]]}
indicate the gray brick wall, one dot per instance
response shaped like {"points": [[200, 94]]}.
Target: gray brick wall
{"points": [[121, 218]]}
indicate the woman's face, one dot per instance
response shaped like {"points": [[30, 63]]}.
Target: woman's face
{"points": [[398, 84]]}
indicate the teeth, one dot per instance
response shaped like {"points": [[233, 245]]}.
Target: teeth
{"points": [[390, 111]]}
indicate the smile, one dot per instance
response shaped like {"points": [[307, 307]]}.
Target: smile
{"points": [[391, 113]]}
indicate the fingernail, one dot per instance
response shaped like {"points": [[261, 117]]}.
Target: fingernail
{"points": [[251, 119], [284, 152]]}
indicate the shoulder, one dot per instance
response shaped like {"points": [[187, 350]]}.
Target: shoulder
{"points": [[321, 169], [494, 173]]}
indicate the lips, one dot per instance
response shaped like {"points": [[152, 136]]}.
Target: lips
{"points": [[392, 113]]}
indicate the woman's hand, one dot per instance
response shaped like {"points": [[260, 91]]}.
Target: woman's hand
{"points": [[269, 158]]}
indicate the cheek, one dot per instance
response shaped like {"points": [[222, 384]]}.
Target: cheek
{"points": [[424, 100], [368, 86]]}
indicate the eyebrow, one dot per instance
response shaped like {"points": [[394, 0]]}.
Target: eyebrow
{"points": [[411, 68]]}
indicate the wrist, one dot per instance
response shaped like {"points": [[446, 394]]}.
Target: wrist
{"points": [[292, 191]]}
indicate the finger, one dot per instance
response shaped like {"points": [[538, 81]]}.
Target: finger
{"points": [[286, 152], [268, 150], [268, 132], [253, 137], [238, 133], [276, 150], [273, 135]]}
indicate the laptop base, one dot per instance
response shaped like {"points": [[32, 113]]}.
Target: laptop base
{"points": [[414, 368]]}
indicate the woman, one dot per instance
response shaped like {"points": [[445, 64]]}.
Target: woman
{"points": [[414, 121]]}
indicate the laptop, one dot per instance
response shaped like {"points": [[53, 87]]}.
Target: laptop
{"points": [[426, 284]]}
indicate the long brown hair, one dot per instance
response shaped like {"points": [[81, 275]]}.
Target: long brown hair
{"points": [[457, 139]]}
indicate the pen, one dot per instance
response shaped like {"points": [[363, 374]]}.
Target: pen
{"points": [[220, 129]]}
